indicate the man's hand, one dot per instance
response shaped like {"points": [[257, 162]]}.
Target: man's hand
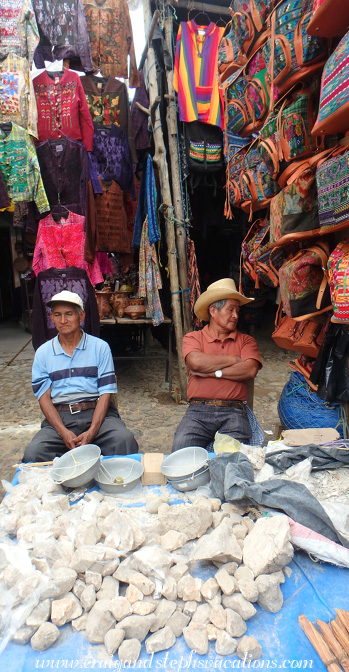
{"points": [[84, 438], [69, 439]]}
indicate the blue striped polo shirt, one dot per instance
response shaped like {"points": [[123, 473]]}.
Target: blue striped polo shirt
{"points": [[88, 373]]}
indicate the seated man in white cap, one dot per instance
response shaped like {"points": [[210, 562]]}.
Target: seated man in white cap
{"points": [[73, 378], [219, 360]]}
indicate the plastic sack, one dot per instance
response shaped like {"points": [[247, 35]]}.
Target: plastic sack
{"points": [[225, 444], [330, 371], [317, 545]]}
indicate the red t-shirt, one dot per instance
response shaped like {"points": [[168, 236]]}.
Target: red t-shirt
{"points": [[235, 344]]}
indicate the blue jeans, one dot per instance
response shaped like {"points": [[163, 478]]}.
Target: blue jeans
{"points": [[200, 424]]}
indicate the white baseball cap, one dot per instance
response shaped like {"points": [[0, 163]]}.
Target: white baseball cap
{"points": [[66, 297]]}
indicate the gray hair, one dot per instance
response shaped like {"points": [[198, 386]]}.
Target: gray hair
{"points": [[74, 305], [218, 305]]}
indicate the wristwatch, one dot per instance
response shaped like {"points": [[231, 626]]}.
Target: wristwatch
{"points": [[218, 373]]}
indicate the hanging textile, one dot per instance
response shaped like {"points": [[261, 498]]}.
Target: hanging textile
{"points": [[62, 107], [139, 118], [195, 69], [111, 157], [61, 244], [17, 100], [19, 32], [63, 32], [111, 38], [147, 206], [107, 223], [4, 197], [149, 277], [193, 281]]}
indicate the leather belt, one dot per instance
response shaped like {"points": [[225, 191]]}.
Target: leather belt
{"points": [[77, 406], [235, 403]]}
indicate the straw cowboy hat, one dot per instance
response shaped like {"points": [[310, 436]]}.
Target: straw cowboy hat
{"points": [[222, 289]]}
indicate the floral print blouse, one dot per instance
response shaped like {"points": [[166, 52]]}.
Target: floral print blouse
{"points": [[17, 99], [19, 32]]}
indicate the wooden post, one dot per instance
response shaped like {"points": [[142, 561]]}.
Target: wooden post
{"points": [[161, 162], [176, 187]]}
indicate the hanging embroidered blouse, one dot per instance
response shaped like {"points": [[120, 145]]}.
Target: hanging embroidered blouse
{"points": [[194, 78], [111, 158], [20, 168], [62, 108], [111, 38], [19, 32], [61, 244], [107, 227], [17, 100]]}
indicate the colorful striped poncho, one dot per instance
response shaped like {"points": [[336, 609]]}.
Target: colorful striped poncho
{"points": [[195, 71]]}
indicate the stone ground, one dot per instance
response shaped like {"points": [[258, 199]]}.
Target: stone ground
{"points": [[144, 401]]}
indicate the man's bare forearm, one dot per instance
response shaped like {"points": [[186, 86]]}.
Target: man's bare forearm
{"points": [[204, 363], [100, 412], [51, 414], [238, 372]]}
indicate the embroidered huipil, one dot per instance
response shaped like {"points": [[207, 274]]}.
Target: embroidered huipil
{"points": [[111, 157], [194, 78], [62, 108], [17, 99], [19, 32], [111, 38], [107, 228], [61, 244], [20, 168], [149, 277], [63, 29], [108, 102]]}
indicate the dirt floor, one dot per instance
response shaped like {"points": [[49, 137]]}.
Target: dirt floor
{"points": [[144, 400]]}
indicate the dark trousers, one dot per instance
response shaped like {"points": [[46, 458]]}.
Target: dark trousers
{"points": [[200, 423], [113, 437]]}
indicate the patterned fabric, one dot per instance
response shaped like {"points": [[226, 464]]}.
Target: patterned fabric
{"points": [[4, 197], [232, 143], [20, 168], [150, 278], [257, 184], [19, 32], [17, 100], [108, 102], [237, 118], [111, 38], [111, 157], [107, 227], [194, 76], [63, 32], [147, 207], [62, 244], [229, 55], [295, 209], [332, 179], [301, 278], [62, 108], [249, 20], [334, 95], [51, 282], [193, 281], [257, 94], [139, 118], [338, 272]]}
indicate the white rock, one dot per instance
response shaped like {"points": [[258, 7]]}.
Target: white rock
{"points": [[123, 573], [88, 597], [143, 583], [268, 548], [249, 649], [93, 578], [142, 607], [249, 524], [79, 624], [225, 581], [87, 535], [169, 589], [45, 636], [113, 639], [39, 615], [248, 590], [238, 603], [240, 531], [120, 607], [177, 571], [233, 508], [190, 608], [23, 634], [78, 588], [243, 572], [202, 502], [209, 589], [216, 600], [109, 589], [215, 503], [163, 612], [99, 621], [137, 627], [287, 571], [218, 617], [212, 632], [173, 540], [84, 557], [129, 651], [235, 517], [153, 505], [160, 641], [184, 518], [225, 644], [202, 614], [189, 588], [220, 545], [270, 596], [133, 594], [177, 622], [217, 517], [255, 454], [236, 626], [65, 609], [196, 638]]}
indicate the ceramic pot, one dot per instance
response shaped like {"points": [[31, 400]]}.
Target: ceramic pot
{"points": [[103, 303], [136, 309], [120, 301]]}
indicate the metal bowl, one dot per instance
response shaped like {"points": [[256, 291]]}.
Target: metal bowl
{"points": [[191, 482], [76, 467], [119, 467], [184, 462]]}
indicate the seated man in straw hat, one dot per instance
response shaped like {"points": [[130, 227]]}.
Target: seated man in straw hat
{"points": [[73, 378], [219, 360]]}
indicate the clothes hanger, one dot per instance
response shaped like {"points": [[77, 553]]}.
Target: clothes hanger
{"points": [[203, 14], [54, 66], [220, 18]]}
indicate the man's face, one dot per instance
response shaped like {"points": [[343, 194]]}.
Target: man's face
{"points": [[227, 317], [66, 318]]}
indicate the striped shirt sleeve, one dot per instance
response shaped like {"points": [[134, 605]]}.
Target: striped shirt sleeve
{"points": [[41, 381], [106, 381]]}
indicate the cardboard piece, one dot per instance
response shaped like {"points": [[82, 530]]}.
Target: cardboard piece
{"points": [[152, 472], [303, 437]]}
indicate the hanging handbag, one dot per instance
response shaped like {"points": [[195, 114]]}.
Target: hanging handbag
{"points": [[230, 58], [338, 272], [257, 92], [294, 210], [303, 282], [304, 365], [306, 336], [204, 147], [252, 246], [332, 179], [334, 94], [257, 185], [330, 18], [237, 118], [268, 264], [249, 22]]}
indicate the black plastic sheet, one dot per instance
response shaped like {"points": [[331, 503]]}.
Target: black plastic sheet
{"points": [[322, 457]]}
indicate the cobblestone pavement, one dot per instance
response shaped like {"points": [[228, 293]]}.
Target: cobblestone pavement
{"points": [[144, 401]]}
